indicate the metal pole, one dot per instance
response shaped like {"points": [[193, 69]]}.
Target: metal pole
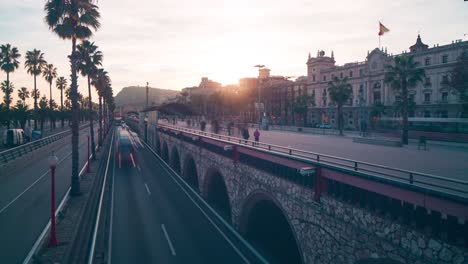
{"points": [[146, 114], [53, 238], [88, 167]]}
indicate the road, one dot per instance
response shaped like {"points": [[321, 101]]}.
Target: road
{"points": [[154, 221], [25, 198]]}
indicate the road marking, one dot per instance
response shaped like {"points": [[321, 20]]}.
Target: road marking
{"points": [[168, 240], [133, 160], [147, 189], [32, 185], [139, 168]]}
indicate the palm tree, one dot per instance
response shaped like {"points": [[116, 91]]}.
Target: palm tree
{"points": [[7, 89], [401, 76], [90, 58], [101, 81], [50, 73], [21, 113], [42, 111], [61, 84], [73, 20], [340, 91], [35, 63], [23, 94], [9, 59]]}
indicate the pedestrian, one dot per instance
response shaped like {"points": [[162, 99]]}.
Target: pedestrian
{"points": [[257, 136], [245, 134]]}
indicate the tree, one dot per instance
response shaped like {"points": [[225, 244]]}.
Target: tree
{"points": [[61, 84], [459, 81], [43, 110], [23, 94], [49, 74], [89, 59], [301, 105], [340, 91], [401, 76], [35, 63], [9, 59], [100, 82], [21, 113], [7, 89], [73, 20]]}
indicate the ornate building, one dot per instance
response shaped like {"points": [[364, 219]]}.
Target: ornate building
{"points": [[433, 97]]}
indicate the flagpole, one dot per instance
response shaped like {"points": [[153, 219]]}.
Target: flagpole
{"points": [[379, 41]]}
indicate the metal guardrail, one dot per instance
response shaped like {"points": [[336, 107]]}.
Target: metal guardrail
{"points": [[427, 181], [16, 152]]}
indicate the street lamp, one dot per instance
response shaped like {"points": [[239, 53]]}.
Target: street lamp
{"points": [[53, 160]]}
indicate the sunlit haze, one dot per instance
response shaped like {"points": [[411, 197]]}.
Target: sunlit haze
{"points": [[172, 44]]}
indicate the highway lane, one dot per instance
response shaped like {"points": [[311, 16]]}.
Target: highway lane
{"points": [[25, 199], [154, 221]]}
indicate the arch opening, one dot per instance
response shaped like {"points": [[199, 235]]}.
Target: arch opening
{"points": [[175, 160], [190, 172], [216, 194], [165, 152], [266, 227]]}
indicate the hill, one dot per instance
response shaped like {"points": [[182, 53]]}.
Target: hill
{"points": [[134, 97]]}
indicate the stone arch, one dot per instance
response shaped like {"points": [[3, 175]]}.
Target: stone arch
{"points": [[175, 159], [165, 152], [216, 194], [189, 172], [266, 226]]}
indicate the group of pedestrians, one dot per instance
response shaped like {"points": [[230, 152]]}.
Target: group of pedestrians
{"points": [[246, 135]]}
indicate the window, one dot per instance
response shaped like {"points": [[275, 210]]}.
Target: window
{"points": [[350, 73], [427, 97], [411, 97], [427, 113], [361, 72], [376, 97], [427, 61], [427, 81], [444, 58], [444, 96], [444, 114], [341, 75], [324, 78], [445, 79], [313, 77]]}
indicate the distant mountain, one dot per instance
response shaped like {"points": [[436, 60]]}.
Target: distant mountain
{"points": [[134, 97]]}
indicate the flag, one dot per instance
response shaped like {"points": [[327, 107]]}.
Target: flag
{"points": [[382, 29]]}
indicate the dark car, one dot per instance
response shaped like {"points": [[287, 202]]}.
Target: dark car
{"points": [[125, 149]]}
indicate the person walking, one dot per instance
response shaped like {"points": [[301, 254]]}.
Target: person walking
{"points": [[245, 134], [257, 136]]}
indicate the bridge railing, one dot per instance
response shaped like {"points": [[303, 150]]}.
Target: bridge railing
{"points": [[16, 152], [426, 181]]}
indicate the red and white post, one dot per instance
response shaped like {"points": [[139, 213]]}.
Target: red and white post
{"points": [[53, 164]]}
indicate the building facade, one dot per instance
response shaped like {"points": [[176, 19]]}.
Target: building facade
{"points": [[433, 97]]}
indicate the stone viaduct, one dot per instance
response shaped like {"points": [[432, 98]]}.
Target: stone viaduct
{"points": [[322, 215]]}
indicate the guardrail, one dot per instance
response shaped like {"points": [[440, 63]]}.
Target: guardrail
{"points": [[16, 152], [458, 188]]}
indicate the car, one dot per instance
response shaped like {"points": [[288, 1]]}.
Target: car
{"points": [[324, 126]]}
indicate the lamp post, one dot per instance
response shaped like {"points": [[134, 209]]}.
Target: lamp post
{"points": [[88, 165], [146, 113], [53, 160]]}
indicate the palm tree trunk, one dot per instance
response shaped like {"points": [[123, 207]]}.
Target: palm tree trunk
{"points": [[35, 103], [404, 135], [340, 119], [91, 126], [61, 107], [8, 110], [75, 181], [100, 121]]}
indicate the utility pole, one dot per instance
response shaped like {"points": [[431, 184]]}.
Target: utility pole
{"points": [[259, 66]]}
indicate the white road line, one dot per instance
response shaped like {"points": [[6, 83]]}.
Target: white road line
{"points": [[139, 168], [168, 240], [30, 186], [147, 189]]}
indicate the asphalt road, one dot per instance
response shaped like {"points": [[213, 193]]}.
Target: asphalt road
{"points": [[154, 221], [25, 198]]}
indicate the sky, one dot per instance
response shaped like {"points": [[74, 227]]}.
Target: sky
{"points": [[173, 44]]}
